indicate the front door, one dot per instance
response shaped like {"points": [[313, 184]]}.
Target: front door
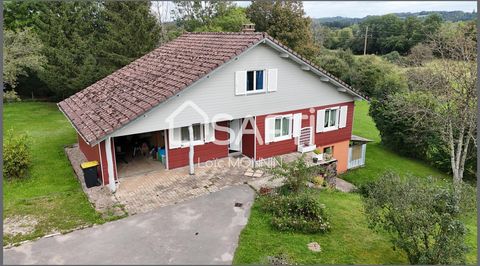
{"points": [[235, 144]]}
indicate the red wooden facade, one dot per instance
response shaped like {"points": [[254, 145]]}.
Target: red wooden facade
{"points": [[179, 157], [97, 153], [252, 146], [266, 150]]}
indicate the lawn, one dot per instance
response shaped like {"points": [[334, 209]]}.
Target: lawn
{"points": [[51, 195], [350, 240], [379, 159]]}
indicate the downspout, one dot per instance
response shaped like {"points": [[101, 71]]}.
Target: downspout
{"points": [[110, 170], [191, 151]]}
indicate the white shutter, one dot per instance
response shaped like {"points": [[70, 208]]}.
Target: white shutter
{"points": [[240, 82], [320, 120], [297, 124], [343, 117], [209, 132], [269, 129], [272, 79], [174, 138]]}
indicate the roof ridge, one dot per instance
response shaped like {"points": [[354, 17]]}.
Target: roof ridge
{"points": [[225, 33]]}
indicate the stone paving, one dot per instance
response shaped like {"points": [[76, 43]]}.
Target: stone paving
{"points": [[148, 191], [145, 192]]}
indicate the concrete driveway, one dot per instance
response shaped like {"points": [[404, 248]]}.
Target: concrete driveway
{"points": [[204, 230]]}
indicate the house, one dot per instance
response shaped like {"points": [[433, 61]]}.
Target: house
{"points": [[205, 96]]}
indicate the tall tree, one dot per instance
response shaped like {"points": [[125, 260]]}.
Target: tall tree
{"points": [[21, 54], [456, 93], [131, 30], [70, 32], [285, 21]]}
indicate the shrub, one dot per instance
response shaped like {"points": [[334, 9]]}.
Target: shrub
{"points": [[11, 96], [296, 212], [393, 57], [419, 54], [16, 155], [295, 174], [318, 180]]}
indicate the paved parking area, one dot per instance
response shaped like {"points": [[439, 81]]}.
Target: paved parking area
{"points": [[204, 230], [145, 192]]}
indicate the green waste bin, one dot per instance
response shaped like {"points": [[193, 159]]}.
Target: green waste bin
{"points": [[90, 173]]}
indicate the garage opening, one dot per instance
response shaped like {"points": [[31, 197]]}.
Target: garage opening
{"points": [[140, 153]]}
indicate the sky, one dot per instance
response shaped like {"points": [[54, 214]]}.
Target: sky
{"points": [[359, 9]]}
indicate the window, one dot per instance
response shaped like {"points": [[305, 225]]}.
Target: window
{"points": [[331, 117], [328, 153], [328, 150], [283, 127], [197, 133], [255, 81]]}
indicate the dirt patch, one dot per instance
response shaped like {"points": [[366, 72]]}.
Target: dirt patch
{"points": [[19, 225]]}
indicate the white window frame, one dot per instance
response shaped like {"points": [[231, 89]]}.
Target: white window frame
{"points": [[337, 118], [254, 91], [283, 137], [186, 143]]}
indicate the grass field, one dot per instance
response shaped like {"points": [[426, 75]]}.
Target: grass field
{"points": [[51, 195], [350, 240], [379, 159]]}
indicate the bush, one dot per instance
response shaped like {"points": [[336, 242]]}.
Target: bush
{"points": [[16, 155], [419, 54], [422, 217], [296, 212], [11, 96], [393, 57], [296, 174]]}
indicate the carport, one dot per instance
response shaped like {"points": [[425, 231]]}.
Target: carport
{"points": [[140, 153]]}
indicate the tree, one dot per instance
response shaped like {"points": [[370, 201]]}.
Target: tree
{"points": [[376, 78], [414, 136], [285, 21], [131, 31], [419, 54], [337, 62], [421, 217], [451, 82], [209, 16], [70, 32], [21, 55], [19, 15]]}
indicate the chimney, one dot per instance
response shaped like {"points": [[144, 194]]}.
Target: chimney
{"points": [[248, 27]]}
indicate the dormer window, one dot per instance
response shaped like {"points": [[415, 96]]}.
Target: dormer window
{"points": [[255, 81]]}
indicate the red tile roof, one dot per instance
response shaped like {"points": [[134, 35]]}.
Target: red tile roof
{"points": [[117, 99]]}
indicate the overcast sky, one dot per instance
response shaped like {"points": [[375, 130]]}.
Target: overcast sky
{"points": [[359, 9]]}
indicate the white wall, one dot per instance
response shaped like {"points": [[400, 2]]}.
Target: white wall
{"points": [[297, 89]]}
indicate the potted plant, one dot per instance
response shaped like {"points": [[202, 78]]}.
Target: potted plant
{"points": [[318, 156]]}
